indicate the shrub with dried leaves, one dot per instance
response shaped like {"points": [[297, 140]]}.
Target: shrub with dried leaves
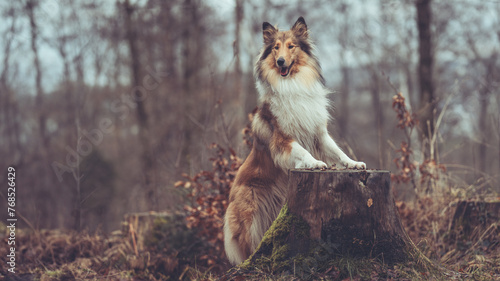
{"points": [[209, 193], [404, 162], [429, 169]]}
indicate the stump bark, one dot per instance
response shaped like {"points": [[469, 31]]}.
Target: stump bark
{"points": [[354, 211], [335, 214]]}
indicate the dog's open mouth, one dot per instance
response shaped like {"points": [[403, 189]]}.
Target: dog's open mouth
{"points": [[284, 70]]}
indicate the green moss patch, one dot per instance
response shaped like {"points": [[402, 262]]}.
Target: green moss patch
{"points": [[274, 253]]}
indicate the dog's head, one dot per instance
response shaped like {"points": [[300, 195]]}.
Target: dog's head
{"points": [[285, 51]]}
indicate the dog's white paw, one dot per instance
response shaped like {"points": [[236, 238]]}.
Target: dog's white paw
{"points": [[311, 164], [351, 164]]}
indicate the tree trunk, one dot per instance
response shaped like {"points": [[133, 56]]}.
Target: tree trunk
{"points": [[239, 90], [336, 214], [191, 63], [30, 9], [343, 115], [425, 66], [379, 115], [44, 186], [484, 101], [6, 98], [140, 99], [487, 85]]}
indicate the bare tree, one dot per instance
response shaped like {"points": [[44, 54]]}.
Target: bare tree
{"points": [[379, 114], [192, 40], [142, 115], [30, 7], [238, 79], [10, 107], [488, 68], [425, 76], [343, 38]]}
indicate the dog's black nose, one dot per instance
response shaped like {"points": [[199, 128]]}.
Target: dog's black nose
{"points": [[281, 61]]}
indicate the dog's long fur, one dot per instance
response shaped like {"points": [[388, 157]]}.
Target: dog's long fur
{"points": [[290, 131]]}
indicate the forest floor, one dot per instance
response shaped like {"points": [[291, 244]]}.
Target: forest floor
{"points": [[68, 255]]}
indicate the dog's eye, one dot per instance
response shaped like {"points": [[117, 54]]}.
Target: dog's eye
{"points": [[291, 47], [277, 47]]}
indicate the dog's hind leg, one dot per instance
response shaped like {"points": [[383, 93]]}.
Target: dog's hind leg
{"points": [[237, 224], [234, 252]]}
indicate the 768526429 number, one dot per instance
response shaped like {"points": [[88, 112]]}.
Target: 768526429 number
{"points": [[11, 191]]}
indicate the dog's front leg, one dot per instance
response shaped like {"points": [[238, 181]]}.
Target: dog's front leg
{"points": [[333, 153], [294, 156]]}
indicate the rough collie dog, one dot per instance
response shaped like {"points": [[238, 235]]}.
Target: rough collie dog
{"points": [[290, 131]]}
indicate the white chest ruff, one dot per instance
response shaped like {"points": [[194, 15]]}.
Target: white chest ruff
{"points": [[300, 111]]}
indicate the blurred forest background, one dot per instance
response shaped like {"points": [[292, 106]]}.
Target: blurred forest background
{"points": [[104, 105]]}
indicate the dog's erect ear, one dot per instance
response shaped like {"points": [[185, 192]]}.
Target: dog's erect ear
{"points": [[300, 28], [268, 31]]}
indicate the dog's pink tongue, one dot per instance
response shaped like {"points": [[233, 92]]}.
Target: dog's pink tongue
{"points": [[284, 70]]}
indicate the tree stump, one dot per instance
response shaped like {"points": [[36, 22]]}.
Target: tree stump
{"points": [[475, 220], [335, 214], [354, 211], [138, 227]]}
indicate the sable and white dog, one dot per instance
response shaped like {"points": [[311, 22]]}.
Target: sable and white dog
{"points": [[290, 131]]}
